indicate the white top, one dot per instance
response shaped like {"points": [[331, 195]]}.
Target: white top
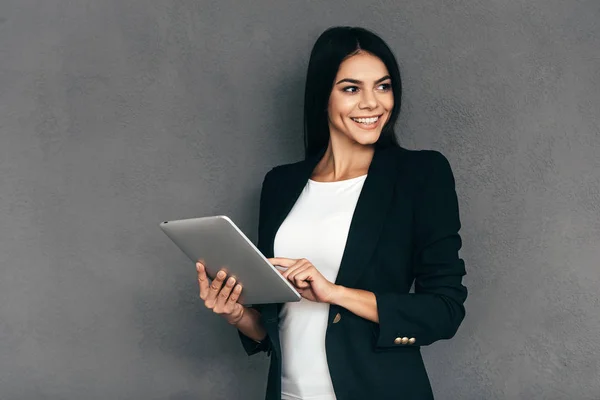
{"points": [[316, 229]]}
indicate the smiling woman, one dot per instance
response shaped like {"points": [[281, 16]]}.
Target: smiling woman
{"points": [[353, 227], [366, 84]]}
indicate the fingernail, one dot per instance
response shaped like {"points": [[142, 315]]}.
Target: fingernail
{"points": [[230, 281], [221, 274]]}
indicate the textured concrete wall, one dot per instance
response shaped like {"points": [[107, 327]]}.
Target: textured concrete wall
{"points": [[116, 115]]}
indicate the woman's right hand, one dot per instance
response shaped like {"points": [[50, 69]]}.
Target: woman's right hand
{"points": [[221, 299]]}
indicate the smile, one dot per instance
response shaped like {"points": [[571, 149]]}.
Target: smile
{"points": [[368, 122]]}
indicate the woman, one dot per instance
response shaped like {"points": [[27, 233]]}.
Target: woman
{"points": [[356, 224]]}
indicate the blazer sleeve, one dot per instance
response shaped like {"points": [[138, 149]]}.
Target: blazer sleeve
{"points": [[436, 309], [252, 346]]}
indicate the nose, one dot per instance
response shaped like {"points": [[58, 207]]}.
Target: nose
{"points": [[367, 100]]}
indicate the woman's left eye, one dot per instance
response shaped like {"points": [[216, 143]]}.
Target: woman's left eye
{"points": [[385, 86]]}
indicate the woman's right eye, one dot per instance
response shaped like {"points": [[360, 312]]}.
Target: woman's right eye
{"points": [[351, 89]]}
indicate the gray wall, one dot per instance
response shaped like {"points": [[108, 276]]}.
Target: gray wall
{"points": [[116, 115]]}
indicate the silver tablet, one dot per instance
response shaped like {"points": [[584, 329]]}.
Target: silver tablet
{"points": [[218, 243]]}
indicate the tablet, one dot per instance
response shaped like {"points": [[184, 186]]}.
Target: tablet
{"points": [[218, 243]]}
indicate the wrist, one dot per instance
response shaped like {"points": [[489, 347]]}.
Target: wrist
{"points": [[337, 295]]}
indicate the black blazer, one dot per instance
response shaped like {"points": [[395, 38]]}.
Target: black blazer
{"points": [[404, 230]]}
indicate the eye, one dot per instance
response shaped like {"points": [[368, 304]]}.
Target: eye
{"points": [[350, 89], [385, 87]]}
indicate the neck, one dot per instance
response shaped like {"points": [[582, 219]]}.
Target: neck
{"points": [[343, 161]]}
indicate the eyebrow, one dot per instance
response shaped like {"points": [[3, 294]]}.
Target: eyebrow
{"points": [[357, 82]]}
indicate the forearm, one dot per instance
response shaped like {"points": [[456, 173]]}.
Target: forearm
{"points": [[251, 325], [360, 302]]}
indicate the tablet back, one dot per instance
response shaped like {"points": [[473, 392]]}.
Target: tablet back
{"points": [[218, 243]]}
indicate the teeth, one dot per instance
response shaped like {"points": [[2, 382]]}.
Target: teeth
{"points": [[366, 120]]}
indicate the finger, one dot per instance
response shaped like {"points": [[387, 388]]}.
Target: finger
{"points": [[292, 268], [298, 265], [281, 270], [302, 279], [224, 292], [290, 273], [202, 280], [287, 272], [293, 277], [298, 277], [284, 262], [214, 289], [300, 284], [233, 298]]}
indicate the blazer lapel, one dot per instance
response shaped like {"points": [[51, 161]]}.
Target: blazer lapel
{"points": [[368, 219]]}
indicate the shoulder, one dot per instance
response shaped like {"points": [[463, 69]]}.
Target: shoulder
{"points": [[422, 159], [424, 167], [281, 172]]}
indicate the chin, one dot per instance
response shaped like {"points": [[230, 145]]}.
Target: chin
{"points": [[367, 141], [366, 138]]}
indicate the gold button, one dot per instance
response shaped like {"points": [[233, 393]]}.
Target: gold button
{"points": [[404, 340], [337, 318], [398, 340], [411, 340]]}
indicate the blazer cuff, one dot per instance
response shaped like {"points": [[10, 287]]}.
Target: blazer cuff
{"points": [[392, 331], [252, 346], [411, 319]]}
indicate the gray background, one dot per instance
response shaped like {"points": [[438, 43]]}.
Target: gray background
{"points": [[116, 115]]}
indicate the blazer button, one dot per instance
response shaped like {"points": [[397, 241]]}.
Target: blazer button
{"points": [[411, 340], [337, 318], [404, 340], [398, 340]]}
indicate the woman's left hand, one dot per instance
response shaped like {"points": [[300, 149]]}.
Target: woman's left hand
{"points": [[307, 279]]}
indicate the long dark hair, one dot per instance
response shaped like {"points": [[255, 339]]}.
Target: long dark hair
{"points": [[331, 48]]}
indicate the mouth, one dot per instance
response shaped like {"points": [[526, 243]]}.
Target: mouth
{"points": [[367, 122]]}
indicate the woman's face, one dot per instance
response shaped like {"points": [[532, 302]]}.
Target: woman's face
{"points": [[361, 100]]}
